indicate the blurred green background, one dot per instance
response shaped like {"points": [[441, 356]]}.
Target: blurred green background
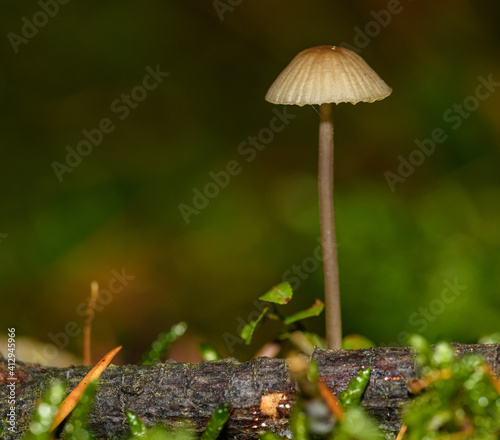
{"points": [[118, 210]]}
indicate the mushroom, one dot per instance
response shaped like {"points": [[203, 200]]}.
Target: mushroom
{"points": [[324, 75]]}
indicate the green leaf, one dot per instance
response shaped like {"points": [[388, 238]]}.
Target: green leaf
{"points": [[356, 342], [357, 425], [314, 310], [270, 436], [423, 349], [490, 339], [45, 412], [314, 339], [247, 331], [443, 355], [208, 352], [137, 426], [182, 432], [163, 343], [280, 294], [351, 396], [216, 422], [313, 371], [299, 423]]}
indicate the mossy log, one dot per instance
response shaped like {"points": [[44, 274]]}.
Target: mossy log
{"points": [[172, 392]]}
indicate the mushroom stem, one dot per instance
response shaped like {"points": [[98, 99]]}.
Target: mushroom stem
{"points": [[327, 220]]}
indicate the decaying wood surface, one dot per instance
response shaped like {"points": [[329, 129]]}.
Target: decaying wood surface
{"points": [[260, 391]]}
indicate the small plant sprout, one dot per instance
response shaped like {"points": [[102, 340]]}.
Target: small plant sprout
{"points": [[281, 295], [163, 343], [321, 76]]}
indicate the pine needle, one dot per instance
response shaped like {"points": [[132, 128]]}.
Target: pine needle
{"points": [[70, 402]]}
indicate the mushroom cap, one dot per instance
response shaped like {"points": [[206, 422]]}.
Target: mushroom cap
{"points": [[325, 74]]}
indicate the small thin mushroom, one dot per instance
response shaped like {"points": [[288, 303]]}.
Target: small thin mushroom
{"points": [[324, 75]]}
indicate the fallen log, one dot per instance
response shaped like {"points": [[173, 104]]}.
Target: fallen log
{"points": [[260, 392]]}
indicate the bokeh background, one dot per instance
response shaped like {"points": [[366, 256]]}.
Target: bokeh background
{"points": [[118, 210]]}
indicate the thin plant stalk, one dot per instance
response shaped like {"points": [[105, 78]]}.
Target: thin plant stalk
{"points": [[87, 329], [327, 221]]}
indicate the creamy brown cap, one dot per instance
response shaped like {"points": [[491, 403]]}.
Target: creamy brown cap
{"points": [[325, 74]]}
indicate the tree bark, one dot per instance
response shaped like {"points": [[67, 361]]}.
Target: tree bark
{"points": [[172, 392]]}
